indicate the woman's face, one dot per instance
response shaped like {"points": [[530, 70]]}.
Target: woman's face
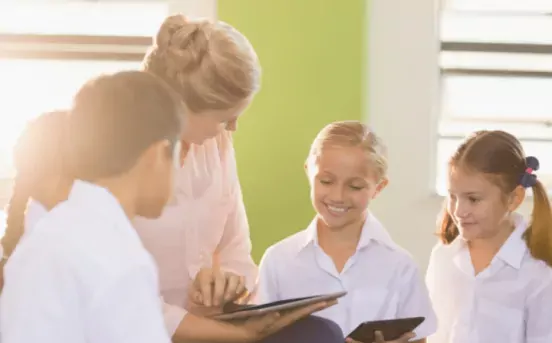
{"points": [[208, 124]]}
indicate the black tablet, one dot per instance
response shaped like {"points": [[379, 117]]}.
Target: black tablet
{"points": [[391, 329], [256, 310]]}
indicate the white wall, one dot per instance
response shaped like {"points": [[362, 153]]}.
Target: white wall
{"points": [[194, 8], [403, 79]]}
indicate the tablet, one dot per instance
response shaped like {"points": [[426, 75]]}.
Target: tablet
{"points": [[391, 329], [246, 311]]}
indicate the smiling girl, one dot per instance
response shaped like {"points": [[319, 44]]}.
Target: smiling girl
{"points": [[345, 248]]}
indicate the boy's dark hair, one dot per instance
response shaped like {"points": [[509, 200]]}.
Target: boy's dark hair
{"points": [[116, 117]]}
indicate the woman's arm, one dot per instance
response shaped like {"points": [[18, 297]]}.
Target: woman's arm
{"points": [[233, 253], [199, 329], [234, 250], [193, 328]]}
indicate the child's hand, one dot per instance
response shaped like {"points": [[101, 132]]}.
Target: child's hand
{"points": [[379, 338]]}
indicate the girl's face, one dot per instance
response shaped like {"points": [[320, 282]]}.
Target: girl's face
{"points": [[479, 208], [198, 127], [342, 186]]}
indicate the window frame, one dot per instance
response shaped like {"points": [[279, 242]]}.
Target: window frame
{"points": [[490, 47]]}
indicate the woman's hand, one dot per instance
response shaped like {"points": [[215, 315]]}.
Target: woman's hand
{"points": [[213, 287], [257, 328], [194, 328]]}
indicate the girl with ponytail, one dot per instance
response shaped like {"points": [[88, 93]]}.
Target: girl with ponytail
{"points": [[490, 278], [41, 179]]}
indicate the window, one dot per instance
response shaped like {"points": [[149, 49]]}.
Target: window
{"points": [[83, 18], [48, 49], [496, 73], [31, 87]]}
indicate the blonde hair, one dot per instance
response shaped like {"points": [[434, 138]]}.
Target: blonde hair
{"points": [[351, 134], [209, 63]]}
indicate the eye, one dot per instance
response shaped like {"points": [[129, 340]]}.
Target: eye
{"points": [[324, 182], [356, 188], [474, 200]]}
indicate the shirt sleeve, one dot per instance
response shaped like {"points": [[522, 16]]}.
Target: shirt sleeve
{"points": [[234, 250], [173, 316], [129, 311], [539, 312], [414, 301], [267, 287]]}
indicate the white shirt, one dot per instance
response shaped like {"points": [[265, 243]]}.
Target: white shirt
{"points": [[510, 301], [204, 224], [33, 214], [35, 211], [82, 275], [381, 279]]}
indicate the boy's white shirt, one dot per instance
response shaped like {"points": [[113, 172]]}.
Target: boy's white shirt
{"points": [[382, 280], [172, 314], [82, 275], [510, 301]]}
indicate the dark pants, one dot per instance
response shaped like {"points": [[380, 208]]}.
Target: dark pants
{"points": [[309, 330]]}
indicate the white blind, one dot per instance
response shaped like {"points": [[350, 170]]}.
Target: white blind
{"points": [[496, 73]]}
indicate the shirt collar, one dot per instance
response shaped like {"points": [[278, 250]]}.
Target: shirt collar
{"points": [[372, 232], [96, 199], [514, 248]]}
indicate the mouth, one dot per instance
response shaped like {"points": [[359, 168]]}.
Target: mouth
{"points": [[337, 210]]}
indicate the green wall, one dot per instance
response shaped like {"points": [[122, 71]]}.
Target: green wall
{"points": [[312, 54]]}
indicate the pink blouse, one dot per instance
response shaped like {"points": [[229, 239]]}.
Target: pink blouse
{"points": [[204, 224]]}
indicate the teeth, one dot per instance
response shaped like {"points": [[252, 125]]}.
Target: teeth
{"points": [[336, 209]]}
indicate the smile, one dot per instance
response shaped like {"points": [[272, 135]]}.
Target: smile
{"points": [[337, 209]]}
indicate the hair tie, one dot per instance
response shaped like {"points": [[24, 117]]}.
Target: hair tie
{"points": [[528, 179]]}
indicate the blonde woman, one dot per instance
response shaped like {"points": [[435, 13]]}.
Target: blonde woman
{"points": [[201, 242]]}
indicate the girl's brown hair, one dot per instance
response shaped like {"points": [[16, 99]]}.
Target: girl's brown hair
{"points": [[38, 153], [500, 156]]}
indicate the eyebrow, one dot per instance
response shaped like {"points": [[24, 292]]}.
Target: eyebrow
{"points": [[466, 193]]}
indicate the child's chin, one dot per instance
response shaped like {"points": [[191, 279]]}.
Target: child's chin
{"points": [[334, 222]]}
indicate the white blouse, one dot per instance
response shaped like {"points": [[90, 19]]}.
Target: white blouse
{"points": [[510, 301]]}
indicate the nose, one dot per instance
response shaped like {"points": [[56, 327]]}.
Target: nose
{"points": [[462, 209], [336, 194]]}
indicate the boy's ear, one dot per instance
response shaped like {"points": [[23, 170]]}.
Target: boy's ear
{"points": [[155, 153]]}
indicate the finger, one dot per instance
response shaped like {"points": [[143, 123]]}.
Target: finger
{"points": [[219, 288], [198, 298], [407, 337], [379, 337], [295, 315], [205, 287], [241, 289], [265, 323], [244, 298], [232, 284]]}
